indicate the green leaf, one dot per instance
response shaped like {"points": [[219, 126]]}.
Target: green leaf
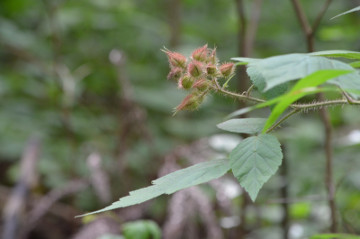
{"points": [[335, 236], [246, 126], [280, 69], [259, 82], [313, 80], [355, 64], [300, 210], [351, 10], [184, 178], [144, 229], [337, 53], [254, 161]]}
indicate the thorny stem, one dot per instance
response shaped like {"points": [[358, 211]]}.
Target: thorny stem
{"points": [[242, 97], [321, 104], [296, 107], [305, 106]]}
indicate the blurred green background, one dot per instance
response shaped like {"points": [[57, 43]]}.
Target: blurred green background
{"points": [[87, 78]]}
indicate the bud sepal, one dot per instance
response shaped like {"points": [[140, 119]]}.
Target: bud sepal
{"points": [[227, 69], [195, 68]]}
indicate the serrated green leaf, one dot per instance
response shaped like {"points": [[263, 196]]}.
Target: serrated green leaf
{"points": [[254, 161], [312, 80], [337, 53], [280, 69], [260, 83], [184, 178], [350, 11], [246, 126]]}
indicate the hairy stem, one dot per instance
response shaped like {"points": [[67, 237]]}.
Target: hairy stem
{"points": [[305, 106]]}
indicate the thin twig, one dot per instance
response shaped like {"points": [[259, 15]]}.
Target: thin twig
{"points": [[306, 27], [309, 33], [301, 17], [318, 19]]}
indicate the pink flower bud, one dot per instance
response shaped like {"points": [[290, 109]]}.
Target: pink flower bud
{"points": [[212, 58], [227, 69], [195, 68], [187, 81], [211, 69], [176, 59], [200, 54], [175, 73], [201, 84], [191, 102]]}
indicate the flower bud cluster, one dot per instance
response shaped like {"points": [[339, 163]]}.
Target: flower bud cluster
{"points": [[196, 74]]}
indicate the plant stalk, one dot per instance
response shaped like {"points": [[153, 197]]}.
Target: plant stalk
{"points": [[309, 33]]}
